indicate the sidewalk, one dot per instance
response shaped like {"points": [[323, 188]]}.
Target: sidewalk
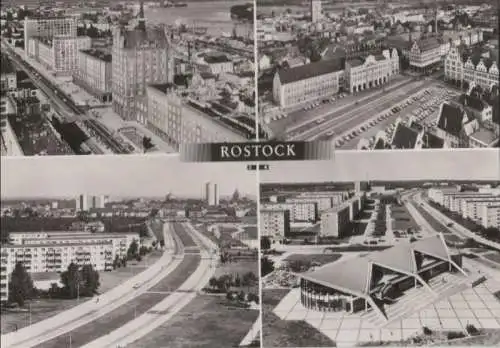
{"points": [[81, 314]]}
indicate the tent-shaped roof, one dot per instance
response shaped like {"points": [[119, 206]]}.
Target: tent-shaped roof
{"points": [[352, 275]]}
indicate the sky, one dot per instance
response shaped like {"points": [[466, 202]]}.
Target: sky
{"points": [[394, 165], [120, 176]]}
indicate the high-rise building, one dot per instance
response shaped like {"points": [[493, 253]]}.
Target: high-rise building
{"points": [[47, 28], [85, 202], [141, 56], [211, 194], [315, 10]]}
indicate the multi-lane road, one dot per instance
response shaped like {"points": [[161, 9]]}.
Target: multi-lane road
{"points": [[146, 298]]}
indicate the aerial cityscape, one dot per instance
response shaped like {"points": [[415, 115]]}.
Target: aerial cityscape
{"points": [[380, 263], [380, 74], [99, 270], [125, 77]]}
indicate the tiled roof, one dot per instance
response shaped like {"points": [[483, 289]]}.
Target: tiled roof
{"points": [[310, 70], [485, 136], [472, 102], [450, 119], [432, 141], [380, 144], [404, 137], [216, 59], [137, 37], [428, 44]]}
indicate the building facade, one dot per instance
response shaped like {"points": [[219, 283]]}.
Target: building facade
{"points": [[299, 211], [308, 82], [141, 56], [425, 55], [59, 53], [371, 72], [85, 202], [48, 28], [315, 10], [490, 217], [274, 223], [211, 194], [473, 70], [94, 72]]}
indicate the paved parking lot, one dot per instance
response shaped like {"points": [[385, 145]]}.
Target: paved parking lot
{"points": [[477, 306]]}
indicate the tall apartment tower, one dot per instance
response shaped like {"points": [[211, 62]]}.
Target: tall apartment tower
{"points": [[315, 10], [82, 203], [211, 194], [48, 27], [141, 56]]}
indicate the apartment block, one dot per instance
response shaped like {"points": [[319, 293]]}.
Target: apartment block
{"points": [[94, 72], [302, 211], [274, 223]]}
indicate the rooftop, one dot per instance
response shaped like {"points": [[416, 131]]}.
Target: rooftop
{"points": [[310, 70], [217, 59], [485, 136], [404, 137], [451, 119], [399, 258], [151, 36], [106, 57], [432, 141]]}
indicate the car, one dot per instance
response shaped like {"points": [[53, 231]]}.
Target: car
{"points": [[363, 128], [137, 285], [330, 133], [318, 121]]}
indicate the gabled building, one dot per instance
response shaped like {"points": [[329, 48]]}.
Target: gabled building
{"points": [[454, 125], [425, 54], [476, 107]]}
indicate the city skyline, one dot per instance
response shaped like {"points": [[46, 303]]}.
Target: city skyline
{"points": [[151, 176]]}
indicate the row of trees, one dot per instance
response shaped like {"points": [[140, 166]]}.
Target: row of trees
{"points": [[77, 281], [225, 282]]}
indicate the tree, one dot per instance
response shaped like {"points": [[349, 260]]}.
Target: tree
{"points": [[147, 143], [212, 282], [266, 266], [162, 243], [72, 281], [116, 262], [265, 243], [236, 196], [21, 285], [90, 280], [133, 249]]}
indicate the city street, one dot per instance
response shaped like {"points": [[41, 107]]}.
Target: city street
{"points": [[135, 295], [172, 304]]}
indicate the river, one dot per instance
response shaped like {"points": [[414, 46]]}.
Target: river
{"points": [[216, 16]]}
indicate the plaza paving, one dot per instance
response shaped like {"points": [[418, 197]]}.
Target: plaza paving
{"points": [[477, 306]]}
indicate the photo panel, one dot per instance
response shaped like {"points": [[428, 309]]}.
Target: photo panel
{"points": [[397, 252], [136, 251], [129, 78], [379, 75]]}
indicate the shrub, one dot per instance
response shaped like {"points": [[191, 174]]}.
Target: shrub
{"points": [[426, 331], [472, 330], [455, 334]]}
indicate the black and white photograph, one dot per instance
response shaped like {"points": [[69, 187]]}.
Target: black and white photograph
{"points": [[141, 252], [379, 74], [379, 263], [125, 77]]}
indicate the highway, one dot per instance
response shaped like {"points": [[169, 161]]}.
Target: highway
{"points": [[64, 105], [90, 320], [172, 304], [340, 121]]}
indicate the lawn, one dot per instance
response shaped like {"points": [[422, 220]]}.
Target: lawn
{"points": [[107, 323], [402, 219], [179, 275], [435, 224], [44, 308], [319, 258], [205, 322], [287, 333], [453, 238], [240, 267]]}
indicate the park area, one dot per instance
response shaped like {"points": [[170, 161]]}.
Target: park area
{"points": [[402, 219], [287, 333], [313, 258]]}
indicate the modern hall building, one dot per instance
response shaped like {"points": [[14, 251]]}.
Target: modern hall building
{"points": [[387, 284]]}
